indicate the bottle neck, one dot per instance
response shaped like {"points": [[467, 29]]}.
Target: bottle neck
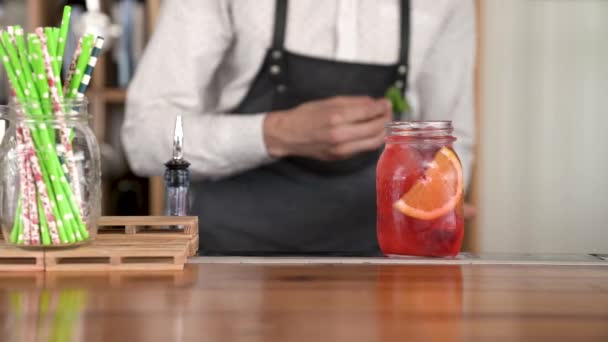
{"points": [[416, 131]]}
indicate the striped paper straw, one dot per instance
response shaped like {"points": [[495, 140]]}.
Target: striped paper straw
{"points": [[64, 133], [88, 41], [31, 188], [72, 68], [23, 188], [27, 187], [88, 72], [44, 195], [29, 191], [30, 150]]}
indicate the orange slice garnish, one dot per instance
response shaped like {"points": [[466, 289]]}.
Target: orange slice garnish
{"points": [[438, 191]]}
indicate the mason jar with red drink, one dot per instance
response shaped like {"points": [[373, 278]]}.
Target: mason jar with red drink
{"points": [[419, 183]]}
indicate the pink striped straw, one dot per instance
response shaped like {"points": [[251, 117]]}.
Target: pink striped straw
{"points": [[31, 187], [44, 195], [64, 132], [36, 176], [33, 207], [23, 187], [29, 225], [72, 68], [30, 230], [28, 191]]}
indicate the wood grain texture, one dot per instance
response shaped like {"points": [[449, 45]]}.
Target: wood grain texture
{"points": [[234, 302], [473, 230], [157, 195], [190, 222]]}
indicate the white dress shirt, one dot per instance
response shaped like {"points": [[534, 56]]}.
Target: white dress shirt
{"points": [[204, 55]]}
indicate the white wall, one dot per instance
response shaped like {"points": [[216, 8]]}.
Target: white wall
{"points": [[544, 148]]}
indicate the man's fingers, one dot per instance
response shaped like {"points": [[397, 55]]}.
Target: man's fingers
{"points": [[359, 130], [348, 149], [351, 110]]}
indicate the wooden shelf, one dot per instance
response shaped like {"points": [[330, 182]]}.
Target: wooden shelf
{"points": [[115, 95], [109, 95]]}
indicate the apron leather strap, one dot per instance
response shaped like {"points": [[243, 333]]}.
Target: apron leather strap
{"points": [[280, 21], [404, 45]]}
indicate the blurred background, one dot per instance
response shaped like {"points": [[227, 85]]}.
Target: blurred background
{"points": [[540, 182]]}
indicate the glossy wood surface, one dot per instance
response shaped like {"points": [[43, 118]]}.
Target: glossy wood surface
{"points": [[245, 302]]}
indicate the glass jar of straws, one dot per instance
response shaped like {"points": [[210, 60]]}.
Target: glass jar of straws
{"points": [[50, 175], [49, 163]]}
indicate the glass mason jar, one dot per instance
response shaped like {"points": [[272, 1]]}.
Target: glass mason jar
{"points": [[419, 183], [50, 176]]}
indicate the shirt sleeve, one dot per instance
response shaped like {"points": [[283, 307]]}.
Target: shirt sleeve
{"points": [[444, 87], [174, 77]]}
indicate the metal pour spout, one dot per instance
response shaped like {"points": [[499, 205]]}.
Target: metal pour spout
{"points": [[178, 139]]}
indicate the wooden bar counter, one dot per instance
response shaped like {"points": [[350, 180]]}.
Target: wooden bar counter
{"points": [[232, 300]]}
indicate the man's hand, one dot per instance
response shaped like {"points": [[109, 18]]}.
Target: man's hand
{"points": [[330, 129]]}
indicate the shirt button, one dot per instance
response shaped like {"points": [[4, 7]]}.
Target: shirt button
{"points": [[281, 88], [399, 84], [276, 54], [275, 69], [402, 70]]}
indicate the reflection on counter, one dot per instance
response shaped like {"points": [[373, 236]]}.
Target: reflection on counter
{"points": [[45, 315], [71, 307], [427, 308]]}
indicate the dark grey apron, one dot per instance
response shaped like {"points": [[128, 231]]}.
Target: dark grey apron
{"points": [[300, 205]]}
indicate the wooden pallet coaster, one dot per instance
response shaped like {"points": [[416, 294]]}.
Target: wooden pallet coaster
{"points": [[150, 229], [16, 259], [129, 243], [128, 257]]}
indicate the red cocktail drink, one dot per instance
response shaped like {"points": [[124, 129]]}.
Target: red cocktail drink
{"points": [[419, 184]]}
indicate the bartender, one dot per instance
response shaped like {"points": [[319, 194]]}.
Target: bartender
{"points": [[283, 110]]}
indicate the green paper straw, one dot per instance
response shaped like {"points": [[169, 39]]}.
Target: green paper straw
{"points": [[52, 36], [88, 72], [18, 226], [23, 57], [44, 227], [15, 64], [68, 195], [31, 78], [83, 61], [48, 160], [6, 60], [63, 33], [42, 84], [72, 68], [66, 231]]}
